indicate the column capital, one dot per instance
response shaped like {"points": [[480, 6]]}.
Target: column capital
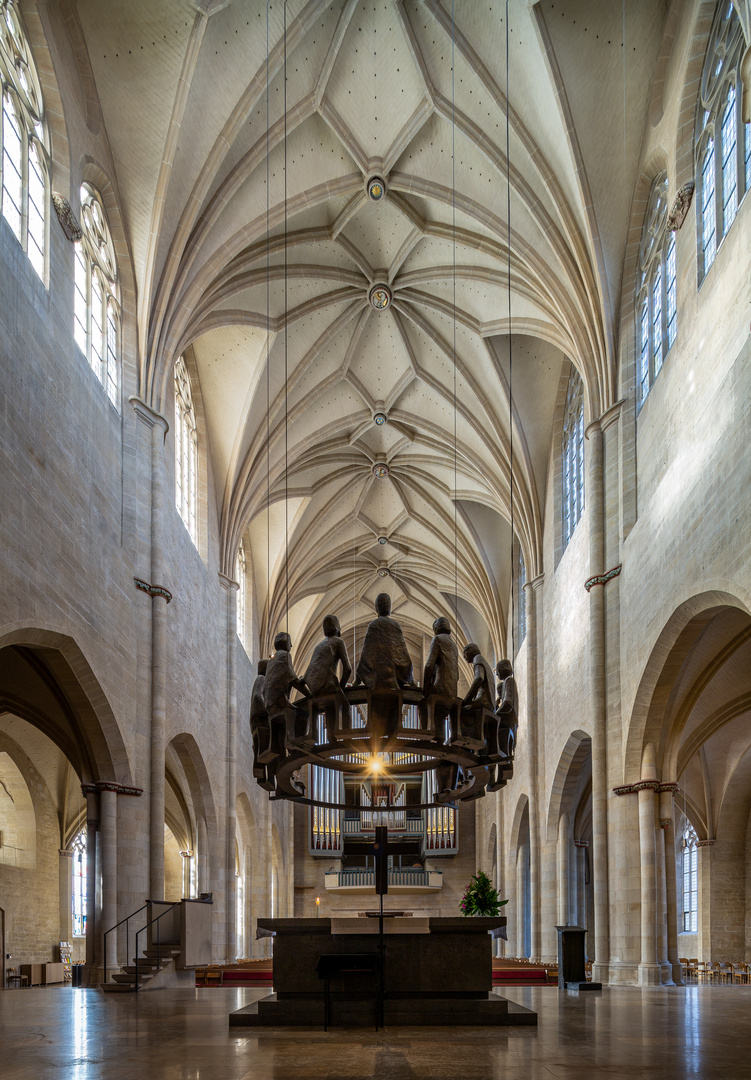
{"points": [[64, 853], [536, 583], [603, 422], [148, 415], [228, 582]]}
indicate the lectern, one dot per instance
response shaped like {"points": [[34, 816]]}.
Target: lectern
{"points": [[572, 974]]}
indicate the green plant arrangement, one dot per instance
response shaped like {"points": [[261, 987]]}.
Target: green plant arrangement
{"points": [[480, 898]]}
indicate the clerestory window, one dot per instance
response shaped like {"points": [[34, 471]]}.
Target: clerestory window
{"points": [[96, 305], [573, 456], [656, 305], [25, 161], [722, 141], [242, 593], [186, 450], [520, 599]]}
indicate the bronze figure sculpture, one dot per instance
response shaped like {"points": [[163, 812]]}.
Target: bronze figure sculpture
{"points": [[280, 679], [384, 662], [439, 684], [321, 675]]}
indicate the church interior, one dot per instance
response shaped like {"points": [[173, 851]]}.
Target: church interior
{"points": [[305, 302]]}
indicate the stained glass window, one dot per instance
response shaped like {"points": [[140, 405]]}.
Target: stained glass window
{"points": [[520, 599], [690, 881], [79, 898], [242, 592]]}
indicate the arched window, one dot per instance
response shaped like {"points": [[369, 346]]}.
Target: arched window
{"points": [[25, 161], [186, 450], [689, 856], [520, 599], [80, 872], [722, 142], [573, 456], [656, 283], [96, 309], [242, 592]]}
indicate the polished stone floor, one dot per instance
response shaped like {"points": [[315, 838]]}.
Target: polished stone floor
{"points": [[67, 1034]]}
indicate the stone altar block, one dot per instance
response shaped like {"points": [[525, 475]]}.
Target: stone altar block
{"points": [[439, 974]]}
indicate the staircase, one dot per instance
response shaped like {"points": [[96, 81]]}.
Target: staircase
{"points": [[156, 968]]}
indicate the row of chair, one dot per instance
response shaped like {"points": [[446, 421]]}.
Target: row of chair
{"points": [[712, 971]]}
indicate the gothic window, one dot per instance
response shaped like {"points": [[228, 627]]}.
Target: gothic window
{"points": [[242, 592], [25, 161], [573, 456], [723, 141], [656, 297], [79, 898], [96, 303], [520, 600], [689, 855], [186, 450]]}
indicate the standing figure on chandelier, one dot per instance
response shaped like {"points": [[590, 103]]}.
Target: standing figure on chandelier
{"points": [[321, 675]]}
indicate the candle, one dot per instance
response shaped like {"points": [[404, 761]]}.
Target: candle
{"points": [[318, 906]]}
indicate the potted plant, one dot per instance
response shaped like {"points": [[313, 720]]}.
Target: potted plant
{"points": [[480, 898]]}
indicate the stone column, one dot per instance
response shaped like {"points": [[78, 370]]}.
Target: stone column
{"points": [[92, 898], [231, 587], [649, 969], [667, 824], [160, 597], [581, 893], [108, 841], [563, 871], [521, 908], [202, 867], [595, 496], [533, 590]]}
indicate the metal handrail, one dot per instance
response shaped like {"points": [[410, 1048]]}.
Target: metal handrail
{"points": [[126, 920], [148, 924]]}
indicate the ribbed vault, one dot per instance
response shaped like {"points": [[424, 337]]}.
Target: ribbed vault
{"points": [[256, 244]]}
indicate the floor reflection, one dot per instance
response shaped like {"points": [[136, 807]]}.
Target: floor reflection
{"points": [[669, 1033]]}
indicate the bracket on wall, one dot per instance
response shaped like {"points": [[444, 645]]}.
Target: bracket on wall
{"points": [[603, 579], [110, 785], [644, 785], [153, 590], [66, 217], [677, 215]]}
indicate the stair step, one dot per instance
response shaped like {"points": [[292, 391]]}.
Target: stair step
{"points": [[147, 972], [118, 988], [147, 962], [126, 977], [163, 950]]}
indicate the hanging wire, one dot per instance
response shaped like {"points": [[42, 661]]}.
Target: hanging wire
{"points": [[268, 358], [453, 233], [286, 408], [510, 348]]}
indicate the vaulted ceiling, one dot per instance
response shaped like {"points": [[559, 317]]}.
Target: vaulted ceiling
{"points": [[256, 245]]}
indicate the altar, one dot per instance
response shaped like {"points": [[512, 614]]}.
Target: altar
{"points": [[436, 971]]}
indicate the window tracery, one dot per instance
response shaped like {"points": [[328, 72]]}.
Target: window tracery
{"points": [[573, 455], [186, 450], [521, 599], [690, 859], [242, 592], [25, 161], [96, 309], [656, 303], [722, 141]]}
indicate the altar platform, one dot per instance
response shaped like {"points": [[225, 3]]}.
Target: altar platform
{"points": [[435, 972]]}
